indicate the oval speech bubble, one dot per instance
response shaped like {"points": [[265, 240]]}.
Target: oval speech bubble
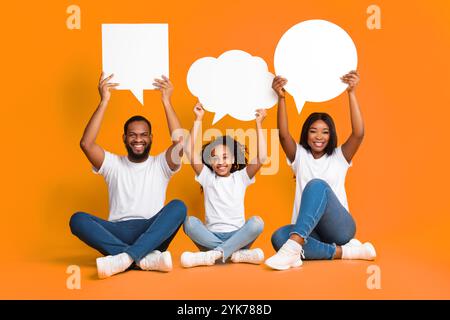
{"points": [[235, 83], [313, 55]]}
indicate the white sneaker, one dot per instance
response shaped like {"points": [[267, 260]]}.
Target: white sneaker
{"points": [[204, 258], [354, 242], [255, 256], [289, 256], [364, 251], [156, 261], [111, 265]]}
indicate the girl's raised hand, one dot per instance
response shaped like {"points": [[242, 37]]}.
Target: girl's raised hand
{"points": [[260, 115], [199, 111]]}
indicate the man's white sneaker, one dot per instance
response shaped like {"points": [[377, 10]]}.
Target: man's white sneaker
{"points": [[364, 251], [156, 261], [255, 256], [111, 265], [289, 256], [203, 258]]}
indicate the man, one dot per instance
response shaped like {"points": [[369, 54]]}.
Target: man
{"points": [[140, 227]]}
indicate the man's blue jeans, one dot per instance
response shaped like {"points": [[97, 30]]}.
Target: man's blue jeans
{"points": [[137, 237], [227, 242], [322, 221]]}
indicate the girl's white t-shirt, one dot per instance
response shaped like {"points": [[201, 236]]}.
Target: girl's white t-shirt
{"points": [[330, 168], [224, 199], [135, 190]]}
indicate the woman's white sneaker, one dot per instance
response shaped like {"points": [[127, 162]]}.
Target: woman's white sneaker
{"points": [[364, 251], [289, 256], [156, 261], [255, 256]]}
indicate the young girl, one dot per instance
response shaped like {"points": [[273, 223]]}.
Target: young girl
{"points": [[222, 170], [322, 226]]}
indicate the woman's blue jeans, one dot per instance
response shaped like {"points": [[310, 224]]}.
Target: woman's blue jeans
{"points": [[322, 221]]}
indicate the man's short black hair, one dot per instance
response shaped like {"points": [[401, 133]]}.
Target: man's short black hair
{"points": [[134, 119]]}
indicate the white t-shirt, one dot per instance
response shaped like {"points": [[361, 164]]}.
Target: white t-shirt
{"points": [[224, 199], [135, 190], [331, 169]]}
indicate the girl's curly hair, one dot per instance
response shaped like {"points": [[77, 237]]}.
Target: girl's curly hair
{"points": [[238, 150]]}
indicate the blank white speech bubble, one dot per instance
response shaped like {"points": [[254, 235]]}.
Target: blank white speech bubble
{"points": [[235, 83], [312, 56], [136, 54]]}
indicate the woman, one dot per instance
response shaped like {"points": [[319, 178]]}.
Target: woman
{"points": [[322, 226]]}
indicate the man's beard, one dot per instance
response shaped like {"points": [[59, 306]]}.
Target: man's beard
{"points": [[138, 157]]}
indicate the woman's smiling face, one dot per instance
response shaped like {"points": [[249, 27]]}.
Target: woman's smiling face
{"points": [[318, 136]]}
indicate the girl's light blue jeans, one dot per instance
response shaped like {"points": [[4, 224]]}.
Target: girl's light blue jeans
{"points": [[227, 242]]}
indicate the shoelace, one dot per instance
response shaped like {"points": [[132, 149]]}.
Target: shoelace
{"points": [[285, 249]]}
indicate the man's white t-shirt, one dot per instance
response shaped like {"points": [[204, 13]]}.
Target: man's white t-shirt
{"points": [[224, 199], [135, 190], [330, 168]]}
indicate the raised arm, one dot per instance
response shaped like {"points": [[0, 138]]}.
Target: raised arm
{"points": [[88, 144], [287, 142], [355, 139], [175, 151], [256, 164], [194, 153]]}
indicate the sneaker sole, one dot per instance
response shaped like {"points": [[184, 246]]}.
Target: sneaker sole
{"points": [[295, 264], [167, 261], [101, 265]]}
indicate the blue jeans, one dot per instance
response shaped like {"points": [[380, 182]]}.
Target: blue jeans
{"points": [[322, 221], [137, 237], [227, 242]]}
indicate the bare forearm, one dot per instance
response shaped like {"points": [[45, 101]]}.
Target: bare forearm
{"points": [[191, 151], [282, 120], [93, 127], [356, 116], [262, 144], [172, 119]]}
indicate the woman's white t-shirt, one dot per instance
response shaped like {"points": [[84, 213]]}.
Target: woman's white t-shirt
{"points": [[135, 190], [224, 199], [330, 168]]}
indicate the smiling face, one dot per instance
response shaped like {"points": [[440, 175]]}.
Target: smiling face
{"points": [[221, 160], [138, 141], [318, 137]]}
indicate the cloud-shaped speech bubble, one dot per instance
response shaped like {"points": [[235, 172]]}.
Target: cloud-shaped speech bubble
{"points": [[313, 55], [136, 54], [235, 83]]}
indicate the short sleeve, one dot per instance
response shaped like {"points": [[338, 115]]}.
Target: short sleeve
{"points": [[296, 163], [109, 164], [341, 158], [245, 178], [161, 162], [204, 176]]}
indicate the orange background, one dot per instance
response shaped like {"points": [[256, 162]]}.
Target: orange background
{"points": [[397, 188]]}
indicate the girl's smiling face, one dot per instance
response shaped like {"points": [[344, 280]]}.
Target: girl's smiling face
{"points": [[221, 160], [318, 137]]}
